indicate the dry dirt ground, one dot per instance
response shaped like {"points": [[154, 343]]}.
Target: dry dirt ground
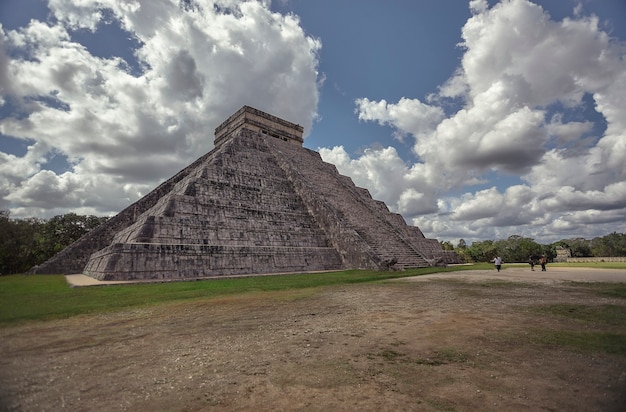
{"points": [[466, 341]]}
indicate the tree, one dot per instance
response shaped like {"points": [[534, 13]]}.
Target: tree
{"points": [[5, 236], [579, 247], [517, 248], [25, 243], [18, 243], [613, 244], [482, 251], [62, 230], [446, 245]]}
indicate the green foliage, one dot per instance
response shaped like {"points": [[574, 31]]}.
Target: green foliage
{"points": [[464, 255], [447, 245], [19, 243], [579, 247], [520, 249], [610, 245], [513, 249], [25, 243], [613, 244], [482, 251]]}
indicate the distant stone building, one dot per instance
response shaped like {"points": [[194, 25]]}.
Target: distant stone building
{"points": [[562, 254], [258, 203]]}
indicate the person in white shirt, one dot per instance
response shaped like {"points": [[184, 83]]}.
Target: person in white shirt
{"points": [[498, 262]]}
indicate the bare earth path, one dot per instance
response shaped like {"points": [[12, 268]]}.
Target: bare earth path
{"points": [[454, 342]]}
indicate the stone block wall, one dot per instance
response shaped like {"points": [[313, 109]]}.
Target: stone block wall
{"points": [[73, 258], [236, 214], [153, 261], [617, 259]]}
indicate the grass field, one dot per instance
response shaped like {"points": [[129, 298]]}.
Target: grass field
{"points": [[593, 265], [42, 297]]}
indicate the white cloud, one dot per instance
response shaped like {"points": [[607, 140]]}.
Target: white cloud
{"points": [[521, 73], [570, 132], [200, 64], [387, 177], [408, 115], [478, 6], [510, 159]]}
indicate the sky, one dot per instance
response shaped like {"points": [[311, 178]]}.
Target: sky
{"points": [[474, 119]]}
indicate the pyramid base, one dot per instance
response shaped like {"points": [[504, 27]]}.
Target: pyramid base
{"points": [[149, 261]]}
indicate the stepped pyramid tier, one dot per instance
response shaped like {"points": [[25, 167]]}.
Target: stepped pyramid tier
{"points": [[259, 203]]}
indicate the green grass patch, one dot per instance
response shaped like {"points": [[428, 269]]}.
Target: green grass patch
{"points": [[605, 328], [613, 315], [615, 290], [444, 356], [42, 297], [595, 265], [611, 343]]}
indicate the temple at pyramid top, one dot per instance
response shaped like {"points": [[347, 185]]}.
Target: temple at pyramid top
{"points": [[258, 121]]}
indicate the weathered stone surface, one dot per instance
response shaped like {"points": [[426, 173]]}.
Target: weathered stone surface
{"points": [[73, 258], [255, 120], [256, 204]]}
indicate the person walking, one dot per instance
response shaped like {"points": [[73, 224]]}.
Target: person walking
{"points": [[498, 262], [543, 262], [531, 262]]}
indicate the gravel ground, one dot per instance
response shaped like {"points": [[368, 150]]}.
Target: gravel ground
{"points": [[452, 342]]}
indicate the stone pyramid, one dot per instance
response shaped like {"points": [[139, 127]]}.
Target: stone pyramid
{"points": [[258, 203]]}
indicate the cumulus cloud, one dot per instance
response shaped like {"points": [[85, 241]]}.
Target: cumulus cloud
{"points": [[407, 116], [499, 149], [521, 77], [408, 195], [199, 62]]}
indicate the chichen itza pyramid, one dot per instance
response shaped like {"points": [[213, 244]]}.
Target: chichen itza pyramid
{"points": [[258, 203]]}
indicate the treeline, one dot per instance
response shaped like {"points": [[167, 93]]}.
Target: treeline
{"points": [[25, 243], [520, 249]]}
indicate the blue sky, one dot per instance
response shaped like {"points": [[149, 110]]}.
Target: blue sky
{"points": [[473, 119], [379, 50]]}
